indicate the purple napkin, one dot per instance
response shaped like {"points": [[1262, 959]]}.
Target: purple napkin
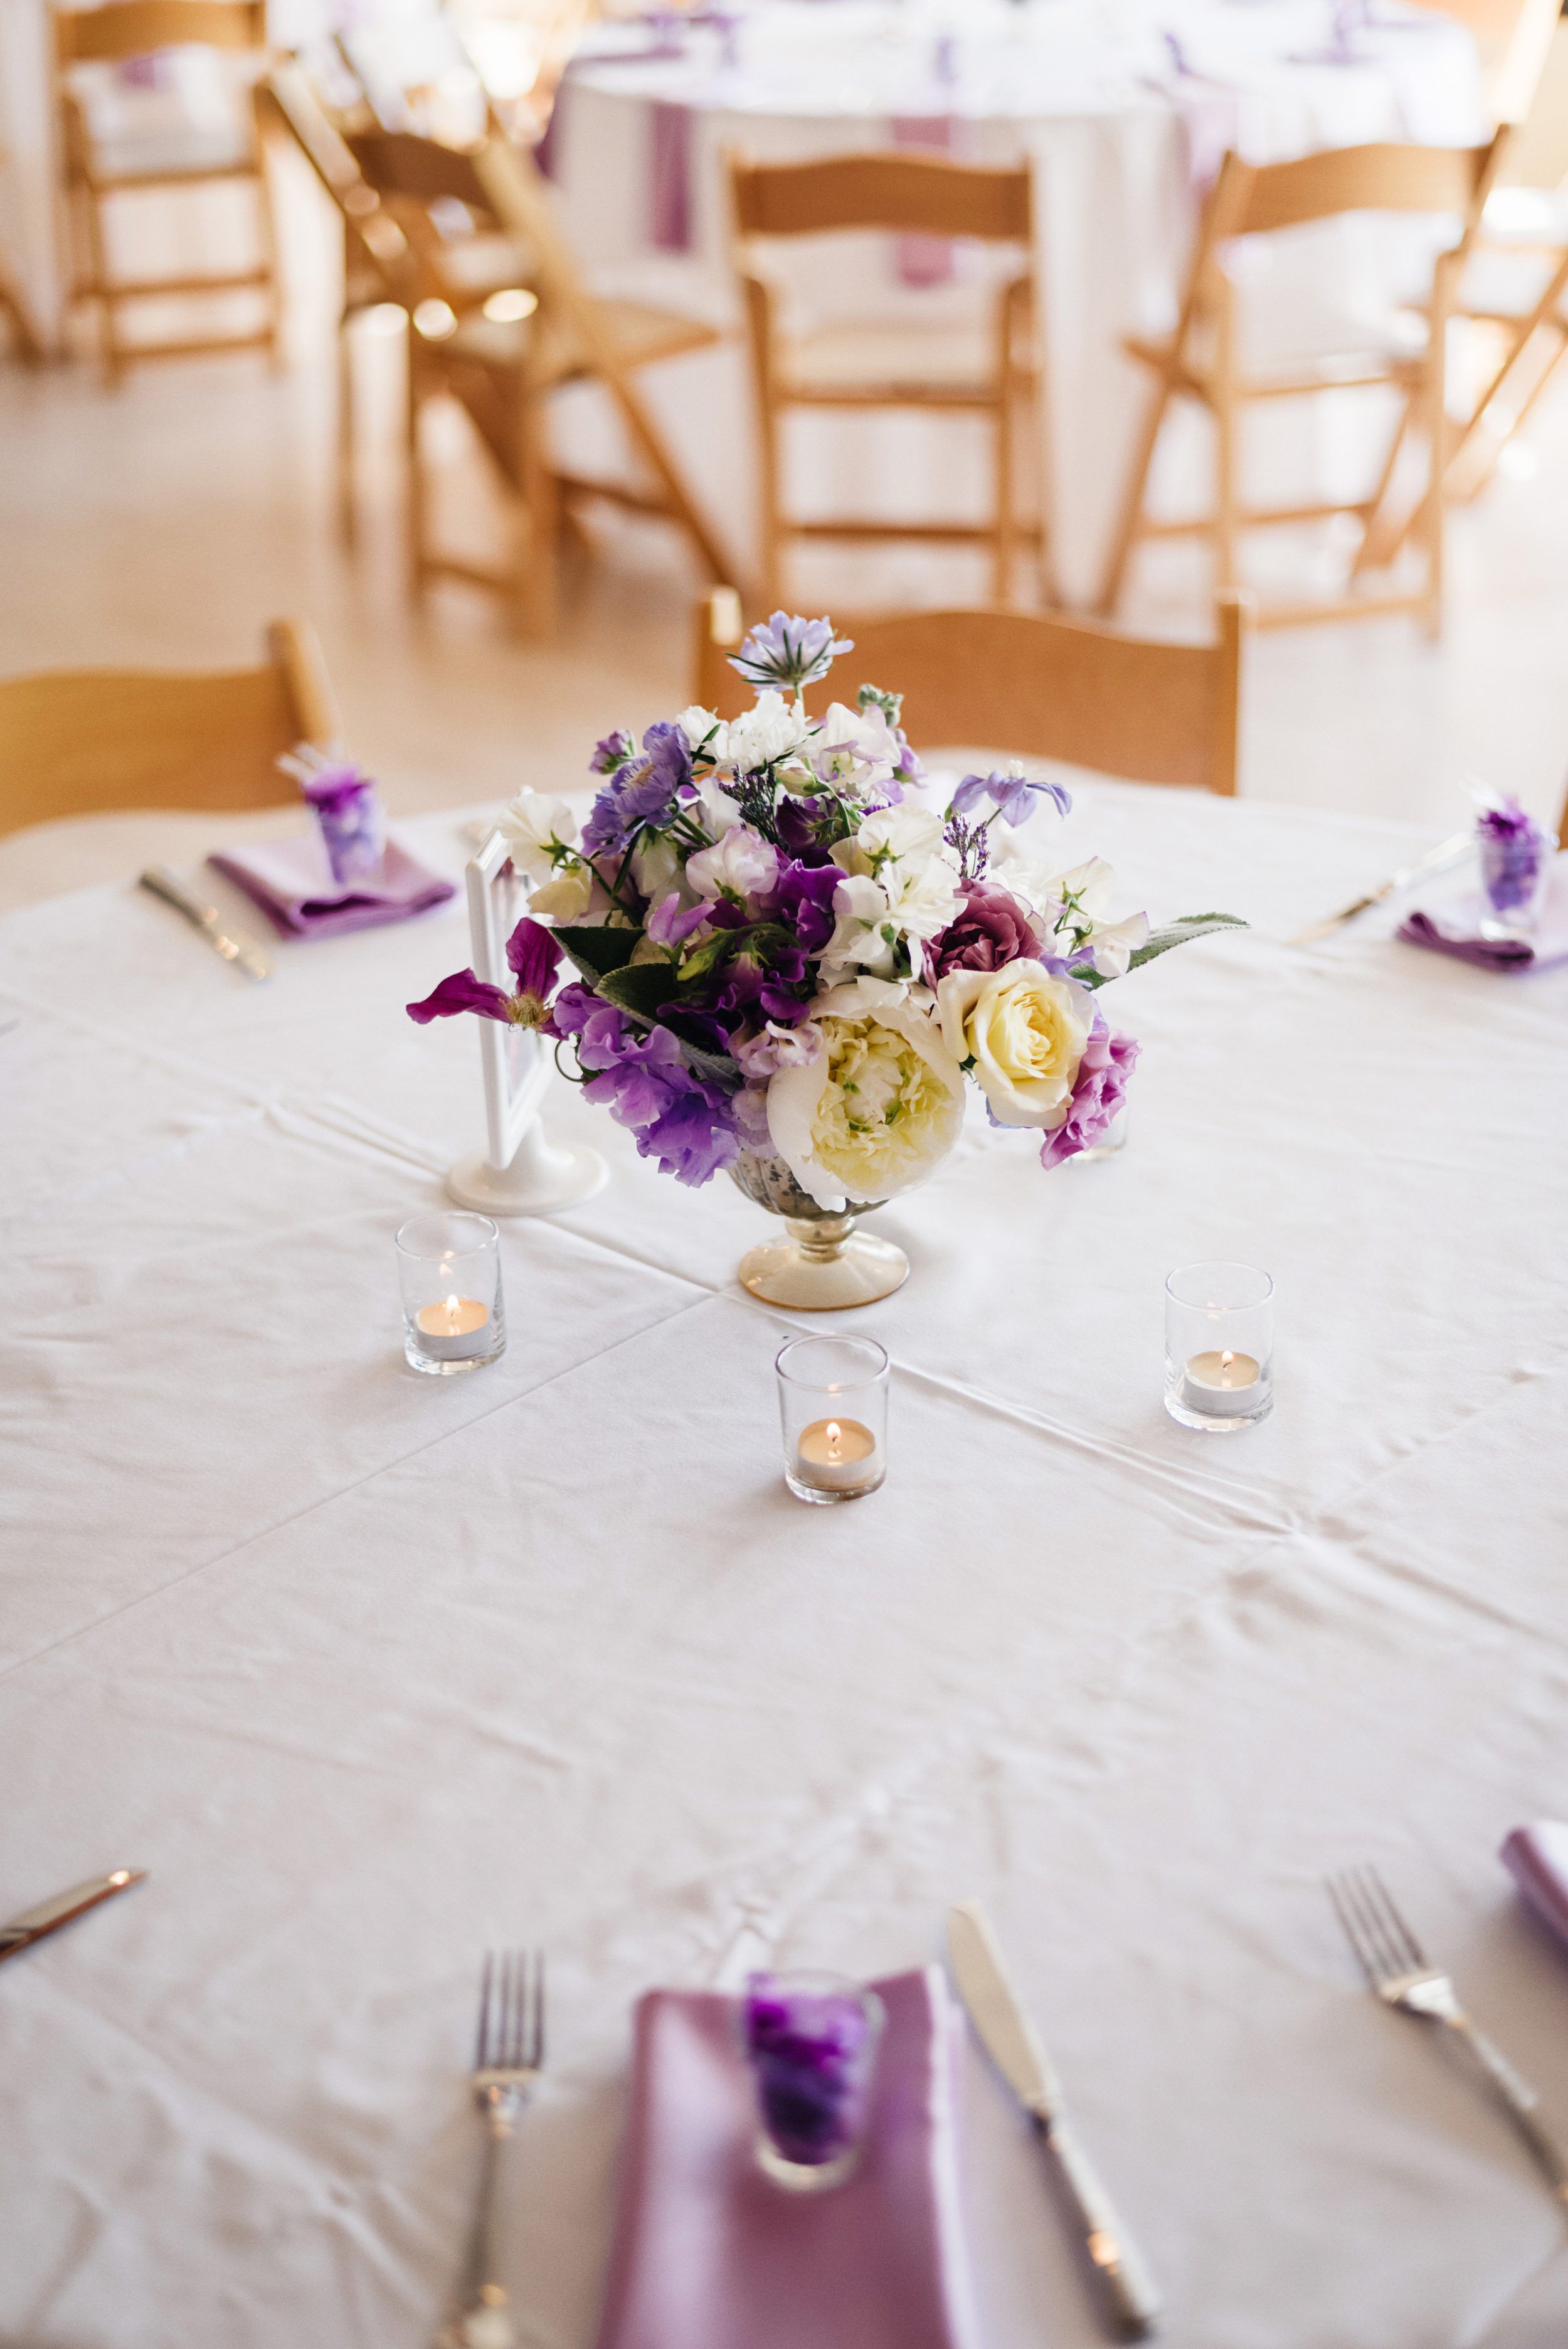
{"points": [[669, 191], [1537, 1860], [292, 881], [710, 2255], [1455, 929], [925, 259]]}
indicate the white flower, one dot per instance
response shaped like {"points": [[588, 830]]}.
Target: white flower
{"points": [[778, 1048], [697, 724], [922, 899], [567, 897], [531, 825], [1025, 1032], [878, 1107], [863, 933], [656, 865], [902, 835], [854, 751], [770, 730], [742, 864], [1113, 944]]}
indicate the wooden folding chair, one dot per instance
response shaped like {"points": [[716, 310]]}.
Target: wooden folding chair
{"points": [[1029, 682], [94, 741], [1201, 360], [502, 370], [1516, 284], [868, 367], [113, 34]]}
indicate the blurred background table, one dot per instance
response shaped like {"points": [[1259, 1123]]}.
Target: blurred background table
{"points": [[370, 1671]]}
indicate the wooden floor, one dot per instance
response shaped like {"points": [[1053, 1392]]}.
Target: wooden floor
{"points": [[168, 522]]}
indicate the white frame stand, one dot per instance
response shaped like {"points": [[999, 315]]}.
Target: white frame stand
{"points": [[521, 1173]]}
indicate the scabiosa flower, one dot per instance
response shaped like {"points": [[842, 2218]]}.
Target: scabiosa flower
{"points": [[641, 791], [788, 652]]}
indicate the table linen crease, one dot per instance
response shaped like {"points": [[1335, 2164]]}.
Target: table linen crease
{"points": [[370, 1670]]}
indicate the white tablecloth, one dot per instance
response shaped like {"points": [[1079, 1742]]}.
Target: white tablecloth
{"points": [[1087, 90], [371, 1670]]}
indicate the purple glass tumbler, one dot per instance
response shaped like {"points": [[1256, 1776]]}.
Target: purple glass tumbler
{"points": [[353, 825], [810, 2040], [1515, 859]]}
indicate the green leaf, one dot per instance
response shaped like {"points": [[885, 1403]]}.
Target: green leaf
{"points": [[595, 951], [639, 988], [1178, 933]]}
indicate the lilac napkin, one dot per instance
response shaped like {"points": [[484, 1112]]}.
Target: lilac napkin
{"points": [[710, 2255], [669, 192], [292, 881], [1454, 929], [1537, 1860], [925, 259]]}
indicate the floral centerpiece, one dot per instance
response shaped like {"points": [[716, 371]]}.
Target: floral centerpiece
{"points": [[789, 959]]}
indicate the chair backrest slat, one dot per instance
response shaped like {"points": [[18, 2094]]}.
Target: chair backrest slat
{"points": [[135, 28], [92, 741], [1027, 683], [401, 163], [911, 194], [1387, 178]]}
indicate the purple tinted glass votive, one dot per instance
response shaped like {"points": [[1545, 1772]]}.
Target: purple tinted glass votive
{"points": [[1515, 855], [811, 2041], [352, 822]]}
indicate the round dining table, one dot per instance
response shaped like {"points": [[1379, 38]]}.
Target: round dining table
{"points": [[1124, 109], [373, 1670]]}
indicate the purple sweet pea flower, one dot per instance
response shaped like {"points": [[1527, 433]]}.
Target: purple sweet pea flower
{"points": [[1099, 1094], [694, 1135], [1012, 795], [802, 900], [749, 1110], [788, 653], [993, 928], [666, 924], [681, 1119], [534, 956], [615, 751]]}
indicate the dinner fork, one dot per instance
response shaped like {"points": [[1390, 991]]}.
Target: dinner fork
{"points": [[1398, 1969], [509, 2056]]}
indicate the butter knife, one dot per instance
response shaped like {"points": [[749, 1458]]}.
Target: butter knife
{"points": [[50, 1915], [233, 945], [1448, 852], [1011, 2041]]}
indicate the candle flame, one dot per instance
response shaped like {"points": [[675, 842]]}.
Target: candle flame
{"points": [[1226, 1359], [452, 1312], [834, 1438]]}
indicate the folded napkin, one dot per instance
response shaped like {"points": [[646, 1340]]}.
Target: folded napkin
{"points": [[1537, 1860], [292, 881], [1455, 929], [711, 2254]]}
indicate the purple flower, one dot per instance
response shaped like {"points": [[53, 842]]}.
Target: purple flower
{"points": [[1512, 847], [810, 2053], [641, 791], [801, 899], [667, 925], [785, 652], [695, 1133], [1011, 793], [613, 752], [1099, 1094], [534, 956], [993, 927], [749, 1108], [683, 1120]]}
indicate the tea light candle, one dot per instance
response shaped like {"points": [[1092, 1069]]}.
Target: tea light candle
{"points": [[838, 1455], [1221, 1383], [454, 1329]]}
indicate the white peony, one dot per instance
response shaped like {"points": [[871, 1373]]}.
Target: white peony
{"points": [[532, 826], [1025, 1032], [877, 1108], [741, 865]]}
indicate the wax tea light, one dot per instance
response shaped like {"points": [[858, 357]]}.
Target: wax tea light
{"points": [[811, 2041], [450, 1268], [832, 1404], [1219, 1346]]}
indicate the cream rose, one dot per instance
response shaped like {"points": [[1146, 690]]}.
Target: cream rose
{"points": [[1026, 1032], [879, 1106]]}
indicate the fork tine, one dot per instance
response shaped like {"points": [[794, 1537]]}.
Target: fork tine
{"points": [[537, 2056], [1386, 1955], [509, 2010], [482, 2042], [519, 2007], [1337, 1893], [1410, 1949]]}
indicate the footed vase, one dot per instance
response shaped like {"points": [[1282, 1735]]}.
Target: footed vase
{"points": [[824, 1265]]}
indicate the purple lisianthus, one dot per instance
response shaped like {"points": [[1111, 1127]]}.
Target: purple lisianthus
{"points": [[640, 792], [534, 956], [788, 653], [992, 927], [1013, 794], [683, 1120], [1099, 1094]]}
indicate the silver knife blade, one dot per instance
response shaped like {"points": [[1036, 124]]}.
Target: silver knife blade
{"points": [[1448, 852], [1010, 2039], [50, 1915], [233, 945]]}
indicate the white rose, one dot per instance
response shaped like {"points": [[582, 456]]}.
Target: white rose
{"points": [[533, 824], [1026, 1032], [566, 898], [742, 864], [877, 1109]]}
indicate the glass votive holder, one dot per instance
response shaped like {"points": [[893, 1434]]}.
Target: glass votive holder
{"points": [[832, 1403], [1515, 862], [352, 821], [1219, 1347], [453, 1316], [811, 2041]]}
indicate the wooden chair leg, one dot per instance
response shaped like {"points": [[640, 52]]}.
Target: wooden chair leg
{"points": [[1437, 423], [29, 348], [110, 359], [1225, 449], [267, 235], [1129, 528], [1381, 541], [415, 508], [759, 325], [539, 521], [1004, 542], [347, 508]]}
